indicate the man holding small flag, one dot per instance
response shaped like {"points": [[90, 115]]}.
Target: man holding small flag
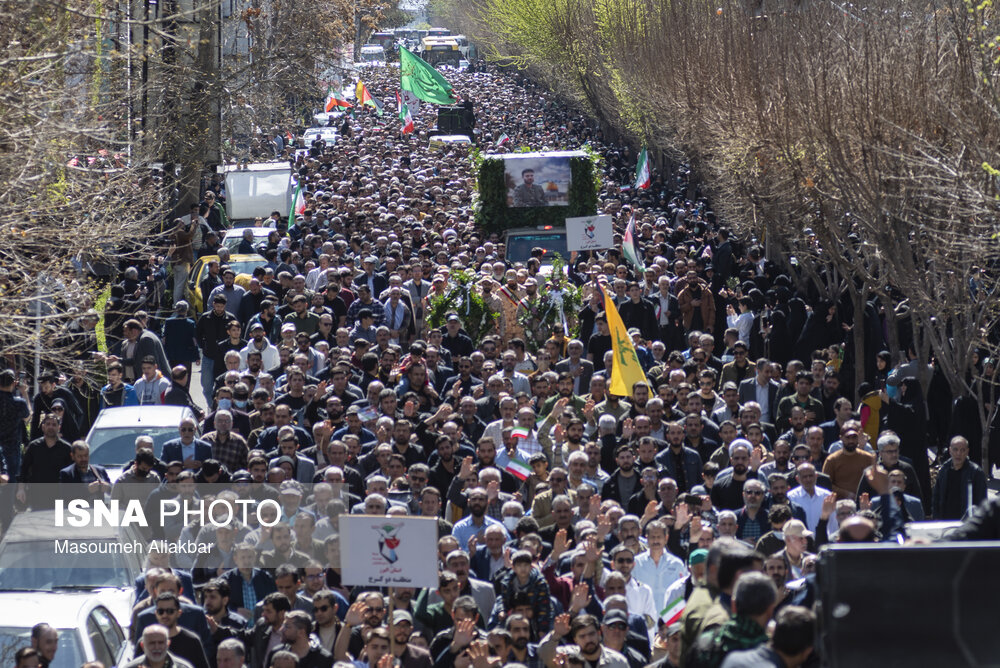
{"points": [[503, 139]]}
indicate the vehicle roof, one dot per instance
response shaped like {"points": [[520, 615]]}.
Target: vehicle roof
{"points": [[236, 257], [452, 138], [534, 230], [256, 167], [262, 232], [62, 610], [39, 525], [141, 416]]}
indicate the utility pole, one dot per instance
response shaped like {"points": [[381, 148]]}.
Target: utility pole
{"points": [[357, 31]]}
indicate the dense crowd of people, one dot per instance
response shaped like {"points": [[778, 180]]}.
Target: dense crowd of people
{"points": [[676, 525]]}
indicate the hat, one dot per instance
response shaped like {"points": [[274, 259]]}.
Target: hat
{"points": [[401, 616], [698, 556], [288, 327], [242, 476], [371, 258], [796, 528], [290, 486], [615, 617], [257, 325], [454, 317]]}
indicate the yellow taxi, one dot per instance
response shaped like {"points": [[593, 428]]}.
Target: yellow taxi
{"points": [[243, 265]]}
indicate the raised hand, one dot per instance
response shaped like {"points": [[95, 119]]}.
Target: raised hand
{"points": [[479, 654], [755, 459], [696, 528], [561, 625], [681, 516], [594, 508], [603, 527], [465, 631], [492, 490], [865, 502], [650, 511], [580, 597], [628, 428], [466, 469], [878, 478], [829, 507], [559, 544], [356, 614]]}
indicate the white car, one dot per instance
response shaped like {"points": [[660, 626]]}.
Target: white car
{"points": [[329, 135], [112, 438], [87, 629], [31, 562], [234, 236]]}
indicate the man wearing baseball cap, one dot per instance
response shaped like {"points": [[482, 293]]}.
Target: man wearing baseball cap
{"points": [[796, 541], [846, 466]]}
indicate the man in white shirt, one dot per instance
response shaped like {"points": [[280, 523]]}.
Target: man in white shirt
{"points": [[270, 358], [808, 495], [657, 568], [638, 595]]}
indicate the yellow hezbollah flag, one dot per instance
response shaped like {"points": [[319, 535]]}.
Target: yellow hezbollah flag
{"points": [[625, 368]]}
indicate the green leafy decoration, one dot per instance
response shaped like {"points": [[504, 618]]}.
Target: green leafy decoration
{"points": [[542, 314], [478, 319]]}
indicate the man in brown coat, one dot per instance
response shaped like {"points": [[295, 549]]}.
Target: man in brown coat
{"points": [[696, 304], [182, 255]]}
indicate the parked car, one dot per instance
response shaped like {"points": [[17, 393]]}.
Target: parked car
{"points": [[112, 437], [87, 629], [31, 560]]}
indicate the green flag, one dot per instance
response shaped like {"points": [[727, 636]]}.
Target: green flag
{"points": [[425, 82]]}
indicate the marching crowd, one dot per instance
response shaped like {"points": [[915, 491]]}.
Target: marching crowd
{"points": [[677, 525]]}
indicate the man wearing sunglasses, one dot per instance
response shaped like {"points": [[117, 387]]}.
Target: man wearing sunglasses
{"points": [[183, 643]]}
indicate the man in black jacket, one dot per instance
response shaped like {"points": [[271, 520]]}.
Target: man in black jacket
{"points": [[210, 330], [257, 638], [295, 631], [183, 643]]}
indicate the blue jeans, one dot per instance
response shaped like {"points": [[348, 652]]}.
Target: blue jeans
{"points": [[207, 378]]}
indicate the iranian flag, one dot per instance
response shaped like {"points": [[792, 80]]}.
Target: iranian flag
{"points": [[518, 468], [298, 204], [404, 114], [673, 611], [503, 139], [407, 120], [334, 102], [642, 178], [628, 245], [520, 432], [290, 137]]}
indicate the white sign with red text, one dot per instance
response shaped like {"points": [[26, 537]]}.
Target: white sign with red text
{"points": [[378, 551]]}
